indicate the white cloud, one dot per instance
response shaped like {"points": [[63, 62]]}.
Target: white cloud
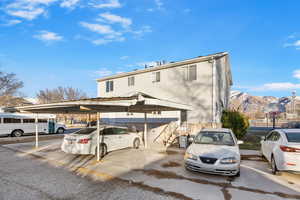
{"points": [[294, 44], [40, 1], [27, 14], [111, 18], [27, 9], [159, 4], [69, 3], [292, 36], [106, 4], [103, 41], [12, 22], [109, 34], [103, 72], [142, 31], [124, 57], [48, 37], [98, 28], [296, 74], [283, 86]]}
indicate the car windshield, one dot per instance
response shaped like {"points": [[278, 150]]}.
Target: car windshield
{"points": [[216, 138], [293, 136], [86, 131]]}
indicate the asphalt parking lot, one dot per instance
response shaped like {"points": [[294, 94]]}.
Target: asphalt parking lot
{"points": [[48, 173]]}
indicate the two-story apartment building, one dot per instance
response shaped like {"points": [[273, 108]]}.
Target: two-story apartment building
{"points": [[203, 82]]}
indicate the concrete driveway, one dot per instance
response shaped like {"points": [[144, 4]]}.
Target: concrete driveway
{"points": [[162, 172]]}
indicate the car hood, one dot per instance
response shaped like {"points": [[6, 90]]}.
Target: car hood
{"points": [[214, 151]]}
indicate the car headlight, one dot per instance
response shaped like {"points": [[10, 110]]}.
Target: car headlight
{"points": [[190, 156], [229, 160]]}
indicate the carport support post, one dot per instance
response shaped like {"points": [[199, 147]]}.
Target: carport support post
{"points": [[98, 136], [36, 132], [145, 131]]}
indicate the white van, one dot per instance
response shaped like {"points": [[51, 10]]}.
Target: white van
{"points": [[17, 124]]}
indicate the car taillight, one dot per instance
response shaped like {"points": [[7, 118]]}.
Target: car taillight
{"points": [[289, 149], [83, 141]]}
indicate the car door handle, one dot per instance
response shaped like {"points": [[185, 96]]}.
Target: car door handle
{"points": [[120, 136], [105, 137]]}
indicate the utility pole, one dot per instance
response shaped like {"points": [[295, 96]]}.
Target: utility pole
{"points": [[293, 102]]}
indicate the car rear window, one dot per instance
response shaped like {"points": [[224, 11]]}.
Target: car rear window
{"points": [[85, 131], [293, 136]]}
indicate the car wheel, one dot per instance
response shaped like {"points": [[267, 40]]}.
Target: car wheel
{"points": [[136, 143], [17, 133], [273, 165], [103, 150], [60, 131]]}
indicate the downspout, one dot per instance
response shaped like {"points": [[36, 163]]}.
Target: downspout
{"points": [[213, 92]]}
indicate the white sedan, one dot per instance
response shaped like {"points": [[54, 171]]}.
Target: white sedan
{"points": [[214, 151], [282, 149], [112, 138]]}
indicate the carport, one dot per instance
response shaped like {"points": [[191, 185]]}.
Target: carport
{"points": [[135, 103]]}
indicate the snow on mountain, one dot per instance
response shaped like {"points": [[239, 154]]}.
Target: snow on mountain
{"points": [[31, 100], [253, 105]]}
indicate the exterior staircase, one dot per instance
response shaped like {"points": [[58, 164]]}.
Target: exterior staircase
{"points": [[168, 135]]}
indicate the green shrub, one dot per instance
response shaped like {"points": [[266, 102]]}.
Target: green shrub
{"points": [[236, 121]]}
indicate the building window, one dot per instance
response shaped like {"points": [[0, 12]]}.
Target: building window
{"points": [[42, 121], [191, 73], [131, 81], [109, 86], [156, 112], [11, 120], [156, 77], [28, 120]]}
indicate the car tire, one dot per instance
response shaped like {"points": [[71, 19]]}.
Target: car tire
{"points": [[60, 131], [136, 143], [17, 133], [273, 165], [103, 150]]}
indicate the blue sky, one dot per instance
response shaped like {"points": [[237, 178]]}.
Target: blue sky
{"points": [[50, 43]]}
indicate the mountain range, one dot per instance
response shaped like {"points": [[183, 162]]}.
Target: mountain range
{"points": [[257, 106]]}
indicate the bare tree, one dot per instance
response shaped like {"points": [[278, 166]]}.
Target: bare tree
{"points": [[9, 86], [60, 94]]}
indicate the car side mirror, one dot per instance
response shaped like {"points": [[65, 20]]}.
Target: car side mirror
{"points": [[191, 139], [263, 138], [240, 142]]}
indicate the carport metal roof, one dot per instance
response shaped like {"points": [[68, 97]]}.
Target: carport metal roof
{"points": [[138, 103]]}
